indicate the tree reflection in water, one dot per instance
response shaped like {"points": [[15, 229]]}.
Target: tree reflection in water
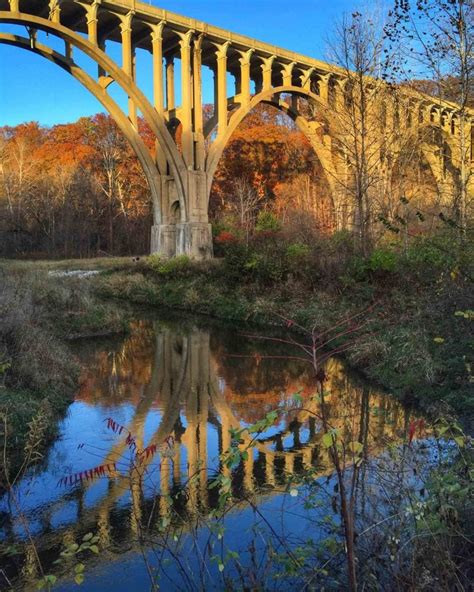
{"points": [[196, 386]]}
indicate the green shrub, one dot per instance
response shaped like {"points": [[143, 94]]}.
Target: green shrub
{"points": [[268, 269], [382, 260], [431, 253], [154, 262], [266, 221], [166, 267], [342, 241], [297, 251], [237, 261]]}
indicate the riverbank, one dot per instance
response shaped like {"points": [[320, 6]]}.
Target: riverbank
{"points": [[39, 314], [416, 341], [417, 337]]}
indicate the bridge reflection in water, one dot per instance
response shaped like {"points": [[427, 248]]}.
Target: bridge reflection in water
{"points": [[194, 385]]}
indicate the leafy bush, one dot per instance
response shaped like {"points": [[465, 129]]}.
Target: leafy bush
{"points": [[297, 251], [382, 260], [380, 263], [166, 267], [237, 261], [154, 262], [266, 221], [431, 252], [342, 240]]}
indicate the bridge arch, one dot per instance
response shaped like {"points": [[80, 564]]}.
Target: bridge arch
{"points": [[322, 151], [437, 146], [156, 176], [431, 179], [119, 117]]}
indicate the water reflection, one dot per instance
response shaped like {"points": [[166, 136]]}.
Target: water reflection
{"points": [[195, 385]]}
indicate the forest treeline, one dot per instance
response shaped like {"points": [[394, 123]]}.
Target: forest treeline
{"points": [[77, 189]]}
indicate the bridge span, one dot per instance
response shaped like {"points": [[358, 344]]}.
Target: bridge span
{"points": [[188, 146]]}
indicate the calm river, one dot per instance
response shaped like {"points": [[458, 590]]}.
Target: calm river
{"points": [[174, 391]]}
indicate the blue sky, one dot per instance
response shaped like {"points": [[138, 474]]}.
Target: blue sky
{"points": [[31, 88]]}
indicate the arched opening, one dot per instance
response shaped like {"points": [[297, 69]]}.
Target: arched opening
{"points": [[415, 195], [175, 211], [454, 125], [444, 119], [270, 177]]}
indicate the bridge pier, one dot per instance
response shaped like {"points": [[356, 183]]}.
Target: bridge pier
{"points": [[194, 239], [181, 223], [188, 238]]}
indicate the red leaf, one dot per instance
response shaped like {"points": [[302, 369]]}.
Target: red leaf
{"points": [[411, 431]]}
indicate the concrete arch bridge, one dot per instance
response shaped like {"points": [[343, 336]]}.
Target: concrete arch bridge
{"points": [[180, 176]]}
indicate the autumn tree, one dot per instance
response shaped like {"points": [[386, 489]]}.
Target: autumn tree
{"points": [[71, 190], [366, 119], [439, 39], [265, 153]]}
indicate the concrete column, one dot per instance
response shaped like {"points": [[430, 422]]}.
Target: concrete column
{"points": [[54, 11], [190, 441], [306, 79], [158, 86], [307, 457], [157, 52], [245, 61], [289, 463], [68, 50], [200, 154], [33, 35], [225, 443], [323, 85], [222, 89], [170, 103], [91, 18], [269, 469], [128, 59], [288, 74], [165, 502], [186, 100], [267, 73], [248, 470], [339, 103]]}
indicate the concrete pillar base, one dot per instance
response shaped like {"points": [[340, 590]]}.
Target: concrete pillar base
{"points": [[195, 240], [189, 238], [163, 240]]}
